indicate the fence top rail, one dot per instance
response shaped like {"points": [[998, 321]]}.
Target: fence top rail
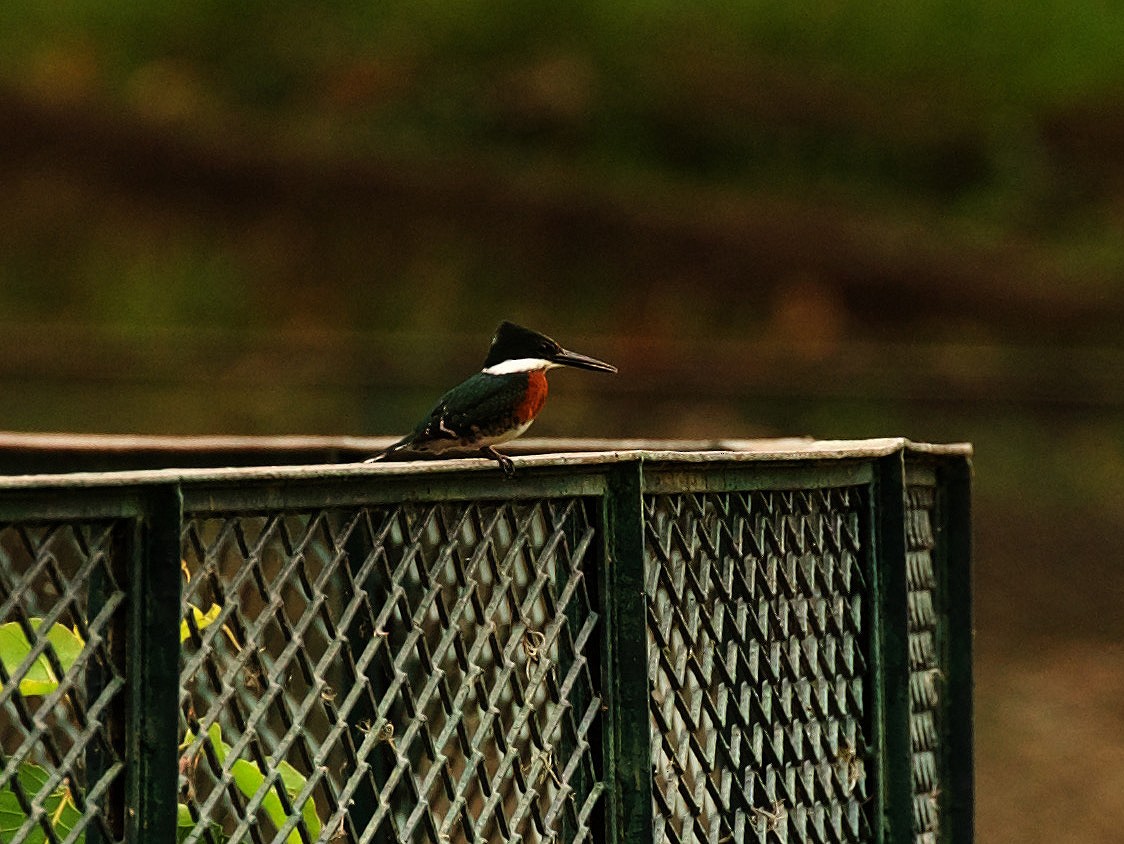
{"points": [[561, 453], [12, 441]]}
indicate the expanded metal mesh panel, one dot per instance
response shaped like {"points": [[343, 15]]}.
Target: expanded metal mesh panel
{"points": [[758, 627], [405, 673], [61, 683], [925, 674]]}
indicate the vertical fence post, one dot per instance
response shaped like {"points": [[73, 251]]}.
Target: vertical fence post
{"points": [[628, 755], [890, 649], [153, 669], [955, 548]]}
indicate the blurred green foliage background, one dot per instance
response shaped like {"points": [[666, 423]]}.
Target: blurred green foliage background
{"points": [[842, 219]]}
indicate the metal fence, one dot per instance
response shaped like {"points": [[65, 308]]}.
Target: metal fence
{"points": [[763, 644]]}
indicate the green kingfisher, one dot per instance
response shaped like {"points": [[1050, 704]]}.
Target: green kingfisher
{"points": [[496, 404]]}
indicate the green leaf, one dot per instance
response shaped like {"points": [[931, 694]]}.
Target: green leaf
{"points": [[220, 746], [184, 822], [183, 816], [60, 807], [249, 778], [295, 782], [202, 620], [185, 825], [39, 679]]}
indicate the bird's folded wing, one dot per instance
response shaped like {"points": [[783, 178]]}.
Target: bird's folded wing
{"points": [[479, 402]]}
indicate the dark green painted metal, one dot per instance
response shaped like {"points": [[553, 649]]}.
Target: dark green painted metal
{"points": [[443, 594], [150, 548], [744, 477], [955, 554], [890, 647], [67, 503], [57, 458], [299, 494], [628, 741], [152, 733], [939, 535], [742, 590]]}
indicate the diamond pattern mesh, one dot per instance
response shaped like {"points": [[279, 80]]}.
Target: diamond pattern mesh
{"points": [[407, 673], [924, 665], [61, 683], [757, 624]]}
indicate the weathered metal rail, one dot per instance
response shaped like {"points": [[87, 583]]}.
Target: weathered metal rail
{"points": [[767, 642]]}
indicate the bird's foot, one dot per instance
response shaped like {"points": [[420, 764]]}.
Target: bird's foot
{"points": [[505, 462]]}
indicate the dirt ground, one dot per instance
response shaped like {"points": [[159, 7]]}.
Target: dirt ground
{"points": [[1049, 679], [1050, 748]]}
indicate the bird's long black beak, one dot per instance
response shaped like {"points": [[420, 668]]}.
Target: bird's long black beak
{"points": [[565, 358]]}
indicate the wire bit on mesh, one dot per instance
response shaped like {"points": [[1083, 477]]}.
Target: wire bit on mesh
{"points": [[533, 643], [545, 755], [772, 819], [853, 770]]}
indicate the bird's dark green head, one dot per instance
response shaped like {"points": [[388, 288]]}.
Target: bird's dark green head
{"points": [[512, 342], [521, 348]]}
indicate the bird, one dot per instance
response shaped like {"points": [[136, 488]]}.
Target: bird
{"points": [[498, 403]]}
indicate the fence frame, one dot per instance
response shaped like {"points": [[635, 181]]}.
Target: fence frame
{"points": [[155, 501]]}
